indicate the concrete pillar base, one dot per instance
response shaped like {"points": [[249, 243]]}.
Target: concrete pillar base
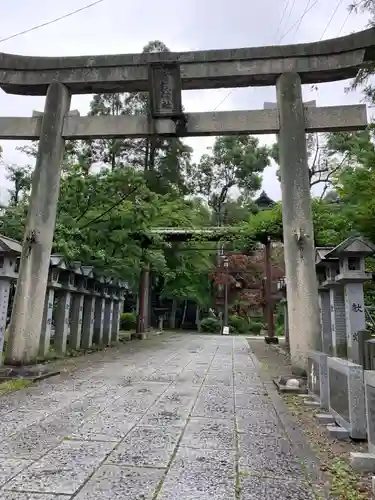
{"points": [[271, 340]]}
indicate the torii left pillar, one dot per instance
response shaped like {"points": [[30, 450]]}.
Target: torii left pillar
{"points": [[27, 314]]}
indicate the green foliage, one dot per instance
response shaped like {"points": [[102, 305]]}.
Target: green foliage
{"points": [[210, 325], [255, 327], [233, 161], [264, 223], [238, 324], [279, 330], [128, 321]]}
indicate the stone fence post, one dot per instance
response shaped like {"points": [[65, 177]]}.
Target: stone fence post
{"points": [[57, 264], [116, 312], [99, 310], [88, 307], [63, 309], [10, 251], [108, 313], [78, 297]]}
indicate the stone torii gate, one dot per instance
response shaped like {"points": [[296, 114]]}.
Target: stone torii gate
{"points": [[164, 75]]}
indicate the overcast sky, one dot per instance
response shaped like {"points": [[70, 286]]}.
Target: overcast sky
{"points": [[123, 26]]}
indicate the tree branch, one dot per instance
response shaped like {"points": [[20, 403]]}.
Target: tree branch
{"points": [[122, 199]]}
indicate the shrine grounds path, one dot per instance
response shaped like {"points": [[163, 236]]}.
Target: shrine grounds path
{"points": [[177, 417]]}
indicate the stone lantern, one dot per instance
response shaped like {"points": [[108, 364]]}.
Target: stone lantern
{"points": [[10, 250], [351, 255], [325, 273]]}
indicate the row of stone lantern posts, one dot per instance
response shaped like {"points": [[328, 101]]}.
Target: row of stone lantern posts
{"points": [[339, 376], [81, 307], [341, 276]]}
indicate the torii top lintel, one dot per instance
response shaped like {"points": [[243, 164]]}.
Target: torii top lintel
{"points": [[317, 62]]}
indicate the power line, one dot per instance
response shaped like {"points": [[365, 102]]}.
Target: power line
{"points": [[225, 98], [52, 21], [344, 23], [302, 17], [331, 18], [299, 21], [282, 17], [290, 13]]}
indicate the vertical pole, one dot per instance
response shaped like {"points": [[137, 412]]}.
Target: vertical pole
{"points": [[143, 313], [141, 302], [303, 310], [27, 314], [226, 301], [270, 339]]}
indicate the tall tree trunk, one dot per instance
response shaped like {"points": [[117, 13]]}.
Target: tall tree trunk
{"points": [[198, 318], [184, 314], [172, 318]]}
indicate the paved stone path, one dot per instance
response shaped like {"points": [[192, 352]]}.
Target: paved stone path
{"points": [[181, 417]]}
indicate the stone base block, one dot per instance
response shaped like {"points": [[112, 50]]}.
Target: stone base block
{"points": [[311, 403], [125, 336], [338, 433], [373, 485], [362, 462], [139, 336], [271, 340], [31, 372], [325, 418]]}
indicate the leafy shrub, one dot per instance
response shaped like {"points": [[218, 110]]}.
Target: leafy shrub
{"points": [[128, 321], [210, 325], [280, 330], [238, 324], [255, 327]]}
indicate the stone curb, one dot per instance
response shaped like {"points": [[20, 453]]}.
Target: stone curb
{"points": [[299, 443]]}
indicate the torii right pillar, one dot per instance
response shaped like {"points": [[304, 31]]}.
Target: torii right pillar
{"points": [[299, 253]]}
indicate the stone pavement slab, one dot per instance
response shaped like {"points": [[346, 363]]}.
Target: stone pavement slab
{"points": [[177, 417], [269, 488], [200, 474], [147, 447], [16, 495], [121, 483]]}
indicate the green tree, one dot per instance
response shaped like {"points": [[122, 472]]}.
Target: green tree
{"points": [[20, 177], [163, 161], [323, 167], [233, 161]]}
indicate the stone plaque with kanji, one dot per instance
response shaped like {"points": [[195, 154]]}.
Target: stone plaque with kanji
{"points": [[165, 90], [314, 377]]}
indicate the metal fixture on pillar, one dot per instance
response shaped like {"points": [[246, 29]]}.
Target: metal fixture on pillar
{"points": [[281, 284], [225, 323]]}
